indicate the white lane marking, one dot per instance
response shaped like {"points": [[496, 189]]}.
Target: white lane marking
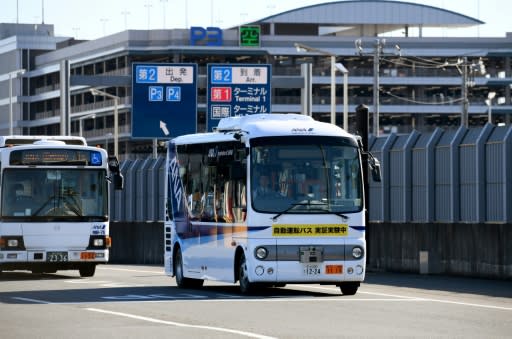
{"points": [[106, 268], [84, 281], [104, 283], [172, 323], [466, 304], [154, 297], [281, 298], [396, 298], [37, 301], [404, 297]]}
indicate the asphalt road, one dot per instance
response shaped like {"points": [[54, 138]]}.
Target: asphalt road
{"points": [[123, 301]]}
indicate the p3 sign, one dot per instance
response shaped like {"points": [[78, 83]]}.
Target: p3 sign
{"points": [[209, 36]]}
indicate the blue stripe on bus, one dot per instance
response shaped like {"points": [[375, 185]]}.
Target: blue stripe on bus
{"points": [[199, 230], [219, 230]]}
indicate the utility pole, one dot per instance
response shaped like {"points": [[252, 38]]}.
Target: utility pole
{"points": [[379, 44], [377, 53], [464, 118], [469, 69]]}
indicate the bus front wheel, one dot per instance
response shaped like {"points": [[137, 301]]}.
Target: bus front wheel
{"points": [[243, 277], [349, 288], [87, 270]]}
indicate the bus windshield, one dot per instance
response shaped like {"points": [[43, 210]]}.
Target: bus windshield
{"points": [[305, 174], [37, 194]]}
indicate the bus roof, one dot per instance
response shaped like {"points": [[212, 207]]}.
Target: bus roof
{"points": [[16, 140], [259, 125]]}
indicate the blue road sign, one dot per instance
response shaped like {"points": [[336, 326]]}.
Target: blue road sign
{"points": [[164, 100], [237, 89], [173, 93]]}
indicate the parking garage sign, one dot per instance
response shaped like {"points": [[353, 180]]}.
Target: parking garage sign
{"points": [[237, 89], [164, 100]]}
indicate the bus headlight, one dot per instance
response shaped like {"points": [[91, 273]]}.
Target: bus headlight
{"points": [[357, 252], [12, 243], [99, 242], [261, 253]]}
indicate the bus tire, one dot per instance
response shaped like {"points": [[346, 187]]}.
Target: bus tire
{"points": [[246, 287], [87, 270], [181, 281], [349, 288]]}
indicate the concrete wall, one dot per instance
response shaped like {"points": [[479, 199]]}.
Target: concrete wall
{"points": [[474, 250]]}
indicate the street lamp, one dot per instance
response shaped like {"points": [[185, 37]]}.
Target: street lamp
{"points": [[344, 71], [490, 96], [334, 66], [95, 92], [11, 75], [81, 121], [107, 136]]}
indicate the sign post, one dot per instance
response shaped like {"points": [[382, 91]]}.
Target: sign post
{"points": [[164, 100], [237, 89]]}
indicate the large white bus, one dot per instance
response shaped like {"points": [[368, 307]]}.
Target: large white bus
{"points": [[266, 200], [54, 204]]}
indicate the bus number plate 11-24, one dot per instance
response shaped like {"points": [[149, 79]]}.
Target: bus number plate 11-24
{"points": [[56, 256]]}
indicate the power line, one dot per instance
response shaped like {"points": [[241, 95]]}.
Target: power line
{"points": [[420, 102]]}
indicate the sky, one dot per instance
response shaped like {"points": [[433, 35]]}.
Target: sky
{"points": [[92, 19]]}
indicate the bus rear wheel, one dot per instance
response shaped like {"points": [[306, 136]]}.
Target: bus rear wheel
{"points": [[181, 281], [349, 288]]}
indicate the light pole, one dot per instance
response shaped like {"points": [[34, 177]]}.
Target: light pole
{"points": [[95, 92], [490, 97], [81, 121], [11, 75], [344, 71], [334, 66], [107, 136]]}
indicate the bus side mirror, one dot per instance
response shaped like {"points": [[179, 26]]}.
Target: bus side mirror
{"points": [[113, 164], [118, 181], [375, 168]]}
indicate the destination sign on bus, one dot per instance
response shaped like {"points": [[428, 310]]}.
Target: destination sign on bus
{"points": [[53, 156]]}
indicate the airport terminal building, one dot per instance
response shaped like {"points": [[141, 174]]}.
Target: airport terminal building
{"points": [[423, 82]]}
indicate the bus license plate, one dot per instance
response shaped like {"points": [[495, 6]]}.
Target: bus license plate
{"points": [[312, 270], [57, 256]]}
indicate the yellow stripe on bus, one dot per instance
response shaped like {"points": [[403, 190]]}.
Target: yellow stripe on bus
{"points": [[309, 230]]}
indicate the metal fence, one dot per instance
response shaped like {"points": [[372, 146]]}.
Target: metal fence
{"points": [[454, 176], [444, 176]]}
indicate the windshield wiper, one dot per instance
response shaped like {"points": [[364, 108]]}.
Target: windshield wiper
{"points": [[44, 205], [302, 203], [343, 216]]}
